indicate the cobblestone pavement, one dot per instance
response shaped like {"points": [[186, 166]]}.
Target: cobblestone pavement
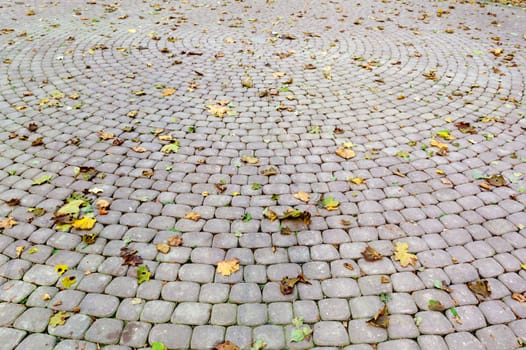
{"points": [[387, 121]]}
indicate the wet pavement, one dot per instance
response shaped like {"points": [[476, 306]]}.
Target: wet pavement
{"points": [[143, 143]]}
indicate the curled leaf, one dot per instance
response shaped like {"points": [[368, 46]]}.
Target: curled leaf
{"points": [[345, 153], [370, 254], [286, 285], [480, 287], [303, 196], [380, 319], [86, 223], [162, 248], [250, 160], [496, 180], [8, 223], [193, 216], [269, 214]]}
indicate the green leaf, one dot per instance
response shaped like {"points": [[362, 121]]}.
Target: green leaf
{"points": [[454, 312], [438, 284], [297, 322], [330, 203], [41, 180], [258, 345], [143, 274], [435, 305], [158, 346], [58, 319], [171, 147], [11, 172], [418, 321], [384, 297], [247, 217], [297, 335], [275, 197], [256, 186], [403, 154], [32, 250]]}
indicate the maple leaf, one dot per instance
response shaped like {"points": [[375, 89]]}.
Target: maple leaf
{"points": [[218, 110], [86, 223], [72, 207], [401, 254], [330, 203], [370, 254], [162, 248], [303, 196], [286, 286], [105, 135], [8, 223], [193, 216], [58, 319], [227, 267], [345, 153], [269, 214], [250, 160], [42, 180], [171, 147]]}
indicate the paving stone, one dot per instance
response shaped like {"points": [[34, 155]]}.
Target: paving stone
{"points": [[402, 326], [75, 327], [192, 313], [171, 335], [15, 291], [372, 285], [99, 305], [135, 334], [333, 309], [130, 309], [307, 310], [67, 300], [432, 342], [433, 322], [251, 314], [239, 335], [11, 337], [423, 297], [400, 303], [214, 293], [245, 293], [9, 313], [463, 340], [361, 332], [207, 337], [330, 333], [405, 344], [180, 291], [105, 331], [496, 312], [199, 273], [497, 337], [33, 320], [37, 341], [406, 282], [157, 311], [224, 314]]}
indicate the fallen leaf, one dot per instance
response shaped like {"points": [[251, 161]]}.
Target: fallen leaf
{"points": [[37, 142], [42, 180], [32, 250], [357, 180], [162, 248], [296, 214], [480, 287], [86, 223], [103, 206], [445, 134], [227, 267], [158, 346], [139, 149], [519, 297], [130, 257], [435, 305], [348, 266], [303, 196], [193, 216], [380, 319], [218, 111], [96, 190], [259, 344], [330, 203], [143, 274], [438, 144], [370, 254], [401, 254], [287, 284], [89, 238], [19, 250], [269, 214], [175, 241], [168, 92], [465, 128], [227, 345], [46, 297], [7, 223], [36, 211], [32, 127], [13, 202], [58, 319], [105, 135], [165, 137], [345, 153], [250, 160], [496, 180], [384, 280], [269, 172], [171, 147], [301, 333], [68, 281]]}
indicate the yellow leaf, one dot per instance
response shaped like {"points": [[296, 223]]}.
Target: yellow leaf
{"points": [[193, 216], [218, 111], [58, 319], [68, 281], [8, 223], [330, 203], [438, 144], [303, 196], [270, 214], [401, 254], [19, 250], [105, 135], [168, 92], [61, 269], [250, 160], [345, 153], [139, 149], [440, 172], [165, 137], [162, 248], [227, 267], [523, 266], [84, 224], [357, 180]]}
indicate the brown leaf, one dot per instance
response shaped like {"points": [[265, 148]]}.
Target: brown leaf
{"points": [[147, 173], [103, 206], [19, 250], [12, 202], [270, 171], [193, 216], [269, 214], [380, 319], [370, 254], [38, 141], [220, 187], [168, 92], [480, 287], [348, 266], [519, 297], [139, 149], [465, 128], [7, 223], [105, 135], [175, 241], [303, 196], [130, 257], [286, 285], [32, 127], [496, 180], [162, 248], [227, 267], [228, 345], [117, 142], [384, 280]]}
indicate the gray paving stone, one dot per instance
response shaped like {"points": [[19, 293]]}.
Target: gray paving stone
{"points": [[405, 344], [245, 293], [192, 313], [180, 291], [463, 340], [330, 333], [33, 320], [433, 322], [157, 311], [11, 337], [207, 337], [497, 337], [239, 335], [252, 314], [361, 332], [171, 335], [9, 313], [429, 342], [135, 334], [105, 331], [99, 305], [402, 327], [40, 341], [130, 309], [15, 291], [224, 314], [74, 328], [333, 309]]}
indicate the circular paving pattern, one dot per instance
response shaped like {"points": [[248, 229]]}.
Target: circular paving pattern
{"points": [[143, 143]]}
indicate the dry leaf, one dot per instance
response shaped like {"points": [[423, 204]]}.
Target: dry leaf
{"points": [[162, 248], [37, 142], [130, 257], [345, 153], [168, 92], [348, 266], [250, 160], [330, 203], [480, 287], [227, 267], [269, 172], [384, 280], [439, 145], [105, 135], [370, 254], [12, 202], [401, 254], [139, 149], [19, 250], [269, 214], [496, 180], [193, 216], [228, 345], [519, 297], [175, 241], [380, 319], [58, 319], [85, 223], [303, 196], [286, 285], [357, 180], [103, 206], [7, 223]]}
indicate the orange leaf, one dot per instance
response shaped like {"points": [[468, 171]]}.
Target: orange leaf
{"points": [[227, 267], [193, 216], [168, 92], [345, 153]]}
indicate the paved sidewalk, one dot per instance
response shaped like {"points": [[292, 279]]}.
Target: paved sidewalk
{"points": [[167, 168]]}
